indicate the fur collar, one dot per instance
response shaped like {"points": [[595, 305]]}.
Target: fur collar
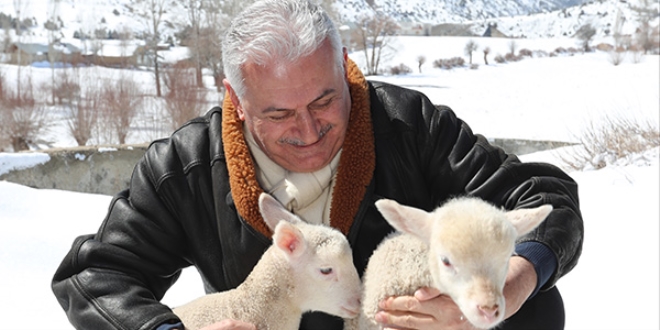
{"points": [[354, 173]]}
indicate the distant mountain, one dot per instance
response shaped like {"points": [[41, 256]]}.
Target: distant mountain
{"points": [[451, 11], [515, 18]]}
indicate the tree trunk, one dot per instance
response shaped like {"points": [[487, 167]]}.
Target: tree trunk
{"points": [[157, 72]]}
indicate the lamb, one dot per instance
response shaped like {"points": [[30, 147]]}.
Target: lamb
{"points": [[308, 267], [461, 248]]}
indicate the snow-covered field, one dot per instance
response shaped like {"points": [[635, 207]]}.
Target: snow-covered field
{"points": [[616, 283]]}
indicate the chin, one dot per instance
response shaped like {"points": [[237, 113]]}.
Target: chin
{"points": [[306, 167]]}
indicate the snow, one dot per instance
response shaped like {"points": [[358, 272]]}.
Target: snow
{"points": [[11, 162], [614, 286]]}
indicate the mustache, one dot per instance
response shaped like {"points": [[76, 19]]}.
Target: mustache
{"points": [[292, 141]]}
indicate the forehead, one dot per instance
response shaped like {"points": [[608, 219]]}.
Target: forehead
{"points": [[317, 67], [475, 238], [292, 87], [327, 241]]}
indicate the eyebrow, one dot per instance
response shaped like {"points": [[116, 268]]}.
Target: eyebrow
{"points": [[324, 94]]}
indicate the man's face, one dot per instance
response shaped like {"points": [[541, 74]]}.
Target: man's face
{"points": [[298, 113]]}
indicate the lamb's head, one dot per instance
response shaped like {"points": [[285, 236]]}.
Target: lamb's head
{"points": [[470, 244], [320, 259]]}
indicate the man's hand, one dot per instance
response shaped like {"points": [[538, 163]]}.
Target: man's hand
{"points": [[427, 309], [230, 325], [430, 309], [520, 283]]}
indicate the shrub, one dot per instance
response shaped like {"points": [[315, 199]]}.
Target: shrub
{"points": [[119, 100], [400, 69], [525, 52], [540, 53], [499, 59], [614, 140], [66, 89], [448, 64], [617, 55], [510, 57], [83, 115], [22, 120]]}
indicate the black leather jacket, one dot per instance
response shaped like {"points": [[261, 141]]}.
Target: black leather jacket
{"points": [[180, 211]]}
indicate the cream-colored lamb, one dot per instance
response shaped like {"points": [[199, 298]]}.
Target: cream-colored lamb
{"points": [[308, 267], [462, 248]]}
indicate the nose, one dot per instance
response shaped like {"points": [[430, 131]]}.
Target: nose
{"points": [[308, 127], [489, 312]]}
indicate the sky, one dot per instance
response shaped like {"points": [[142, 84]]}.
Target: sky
{"points": [[614, 286]]}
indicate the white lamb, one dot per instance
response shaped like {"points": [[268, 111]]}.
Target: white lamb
{"points": [[462, 248], [308, 267]]}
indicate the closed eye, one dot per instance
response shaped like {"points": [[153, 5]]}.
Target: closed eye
{"points": [[326, 271], [280, 115], [321, 104]]}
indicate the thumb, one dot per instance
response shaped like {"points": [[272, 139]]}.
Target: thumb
{"points": [[427, 293]]}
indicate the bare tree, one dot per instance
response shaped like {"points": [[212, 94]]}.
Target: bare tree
{"points": [[646, 36], [66, 88], [183, 99], [53, 26], [470, 47], [22, 120], [620, 41], [20, 6], [193, 38], [216, 20], [421, 59], [373, 36], [151, 14], [6, 40], [4, 112], [586, 33], [486, 52], [83, 115], [125, 37], [119, 105], [513, 46]]}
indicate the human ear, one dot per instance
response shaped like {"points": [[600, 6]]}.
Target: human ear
{"points": [[234, 99]]}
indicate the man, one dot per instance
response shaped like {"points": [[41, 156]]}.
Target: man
{"points": [[302, 123]]}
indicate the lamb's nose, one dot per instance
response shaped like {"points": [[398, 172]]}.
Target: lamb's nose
{"points": [[489, 312]]}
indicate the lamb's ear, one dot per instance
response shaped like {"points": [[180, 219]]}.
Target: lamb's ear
{"points": [[289, 239], [405, 219], [273, 212], [525, 220]]}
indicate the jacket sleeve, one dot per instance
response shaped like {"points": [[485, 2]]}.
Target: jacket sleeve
{"points": [[440, 157], [116, 278], [474, 166], [127, 266]]}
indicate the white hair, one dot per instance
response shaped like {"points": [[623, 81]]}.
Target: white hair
{"points": [[276, 30]]}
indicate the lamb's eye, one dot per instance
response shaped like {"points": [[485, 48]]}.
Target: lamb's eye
{"points": [[326, 271], [445, 261]]}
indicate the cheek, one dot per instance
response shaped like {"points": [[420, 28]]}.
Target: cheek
{"points": [[269, 133]]}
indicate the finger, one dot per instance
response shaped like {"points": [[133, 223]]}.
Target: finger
{"points": [[427, 293], [400, 303], [404, 320]]}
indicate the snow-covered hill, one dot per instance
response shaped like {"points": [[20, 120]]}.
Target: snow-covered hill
{"points": [[516, 18], [452, 11], [600, 14]]}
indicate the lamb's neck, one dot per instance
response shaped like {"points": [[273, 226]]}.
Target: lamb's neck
{"points": [[270, 286]]}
